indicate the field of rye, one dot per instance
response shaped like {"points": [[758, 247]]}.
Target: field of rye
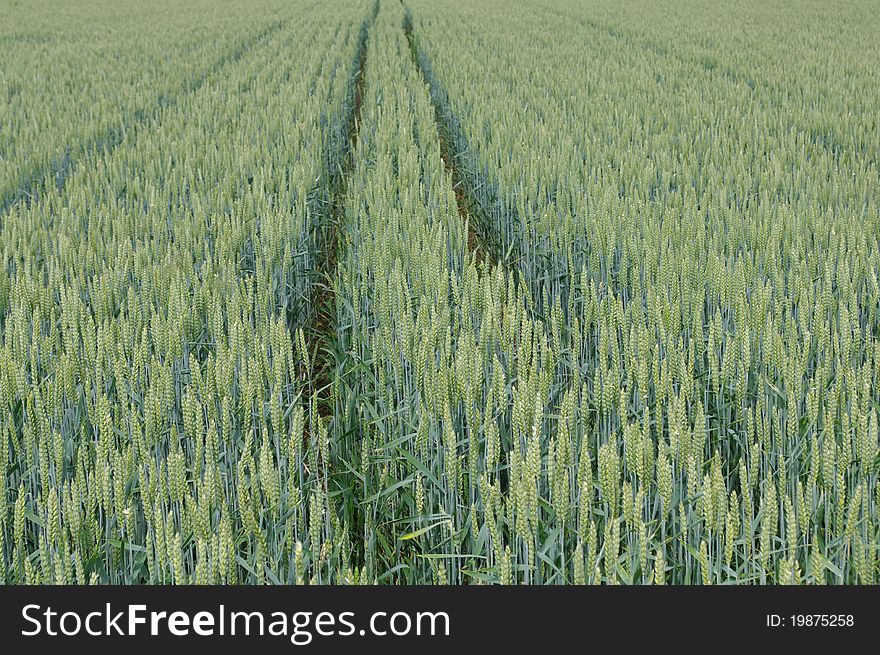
{"points": [[439, 292]]}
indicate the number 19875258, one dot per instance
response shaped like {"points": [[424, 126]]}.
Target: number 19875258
{"points": [[811, 621]]}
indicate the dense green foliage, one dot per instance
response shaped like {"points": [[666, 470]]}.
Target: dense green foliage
{"points": [[151, 393], [699, 236], [77, 75], [440, 292]]}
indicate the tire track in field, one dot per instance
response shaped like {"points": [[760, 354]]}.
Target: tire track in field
{"points": [[476, 242], [34, 184], [483, 236], [322, 331]]}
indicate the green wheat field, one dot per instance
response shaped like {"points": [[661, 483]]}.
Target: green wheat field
{"points": [[440, 292]]}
